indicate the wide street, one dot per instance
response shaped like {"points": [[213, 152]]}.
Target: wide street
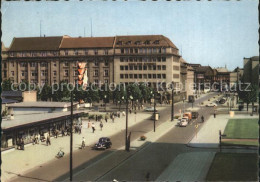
{"points": [[152, 159]]}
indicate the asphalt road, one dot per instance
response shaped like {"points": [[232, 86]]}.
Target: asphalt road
{"points": [[170, 145]]}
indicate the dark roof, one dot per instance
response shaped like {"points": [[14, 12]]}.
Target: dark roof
{"points": [[12, 94], [203, 68], [35, 43], [8, 101], [3, 48], [87, 42], [255, 58], [42, 104], [143, 40]]}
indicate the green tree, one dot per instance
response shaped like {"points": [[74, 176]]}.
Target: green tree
{"points": [[44, 93], [119, 94], [91, 94], [7, 85]]}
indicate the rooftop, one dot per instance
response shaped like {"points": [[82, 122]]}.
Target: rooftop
{"points": [[31, 119], [12, 94], [42, 104]]}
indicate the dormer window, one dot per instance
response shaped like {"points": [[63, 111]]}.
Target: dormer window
{"points": [[156, 42], [147, 42], [119, 42], [128, 42], [138, 42], [76, 52], [11, 54], [66, 52], [96, 52], [86, 52]]}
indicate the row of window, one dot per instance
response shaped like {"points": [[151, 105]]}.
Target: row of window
{"points": [[147, 42], [143, 59], [34, 54], [96, 73], [143, 76], [143, 50], [143, 67], [86, 52]]}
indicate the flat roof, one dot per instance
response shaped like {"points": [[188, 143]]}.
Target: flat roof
{"points": [[30, 119], [42, 104]]}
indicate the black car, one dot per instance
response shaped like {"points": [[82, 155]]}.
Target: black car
{"points": [[103, 143]]}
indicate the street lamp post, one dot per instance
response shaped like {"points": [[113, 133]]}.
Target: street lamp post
{"points": [[105, 102], [126, 122], [183, 104], [154, 112], [172, 102], [71, 135]]}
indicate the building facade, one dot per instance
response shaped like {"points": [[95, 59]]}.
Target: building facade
{"points": [[251, 70], [119, 59]]}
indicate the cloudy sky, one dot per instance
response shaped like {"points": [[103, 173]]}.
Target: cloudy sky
{"points": [[214, 33]]}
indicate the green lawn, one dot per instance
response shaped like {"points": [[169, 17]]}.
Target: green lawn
{"points": [[248, 143], [233, 167], [242, 128]]}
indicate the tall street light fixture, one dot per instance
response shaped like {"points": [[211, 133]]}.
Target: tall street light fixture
{"points": [[183, 104], [71, 135], [172, 116], [105, 96], [154, 104]]}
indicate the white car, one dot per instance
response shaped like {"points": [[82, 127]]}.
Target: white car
{"points": [[211, 104], [150, 109], [184, 122]]}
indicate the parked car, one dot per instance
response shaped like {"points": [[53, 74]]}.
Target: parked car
{"points": [[103, 143], [212, 104], [150, 109], [184, 122], [222, 101], [195, 115]]}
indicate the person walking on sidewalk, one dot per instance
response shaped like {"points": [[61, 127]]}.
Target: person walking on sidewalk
{"points": [[93, 127], [106, 117], [96, 118], [202, 118], [113, 118], [215, 114], [89, 124], [101, 125], [83, 143], [48, 140]]}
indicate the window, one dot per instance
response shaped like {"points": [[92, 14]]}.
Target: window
{"points": [[24, 73], [106, 52], [175, 75], [149, 76], [43, 64], [126, 50], [76, 52], [54, 64], [54, 73], [154, 75], [86, 51], [130, 59], [44, 73], [121, 59], [122, 67], [141, 50], [154, 50], [95, 72], [106, 62], [136, 50], [156, 42], [131, 50], [145, 50], [135, 59], [106, 81], [33, 81], [126, 59], [145, 67], [44, 81], [66, 52], [159, 59], [44, 53], [158, 67], [122, 51], [135, 67], [135, 75], [34, 73], [96, 52], [55, 53], [140, 67], [23, 64], [126, 67], [163, 67], [130, 75], [96, 82], [12, 63], [66, 73], [163, 59], [11, 54], [163, 50], [126, 75], [96, 63], [23, 54], [145, 76], [121, 76], [5, 74], [163, 76], [150, 50], [33, 64], [12, 73], [66, 64], [119, 43], [106, 73], [140, 60], [154, 67], [138, 42], [5, 65], [140, 75], [130, 67], [158, 75]]}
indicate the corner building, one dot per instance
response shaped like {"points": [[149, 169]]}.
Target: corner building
{"points": [[119, 59]]}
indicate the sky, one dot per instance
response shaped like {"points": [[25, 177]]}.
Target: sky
{"points": [[215, 33]]}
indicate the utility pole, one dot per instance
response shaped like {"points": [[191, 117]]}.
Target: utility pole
{"points": [[126, 123], [71, 135], [172, 102], [154, 111]]}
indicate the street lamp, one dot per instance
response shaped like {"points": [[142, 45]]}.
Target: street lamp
{"points": [[172, 116], [153, 109], [183, 104], [105, 96], [71, 135]]}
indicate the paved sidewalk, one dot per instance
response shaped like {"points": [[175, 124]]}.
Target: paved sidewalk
{"points": [[208, 136], [19, 162], [190, 166]]}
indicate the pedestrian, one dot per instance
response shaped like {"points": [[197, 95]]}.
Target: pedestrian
{"points": [[130, 111], [89, 124], [62, 132], [101, 125], [113, 118], [96, 118], [83, 143], [214, 114], [202, 118], [80, 128], [106, 117], [34, 139], [22, 144], [48, 140], [93, 127]]}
